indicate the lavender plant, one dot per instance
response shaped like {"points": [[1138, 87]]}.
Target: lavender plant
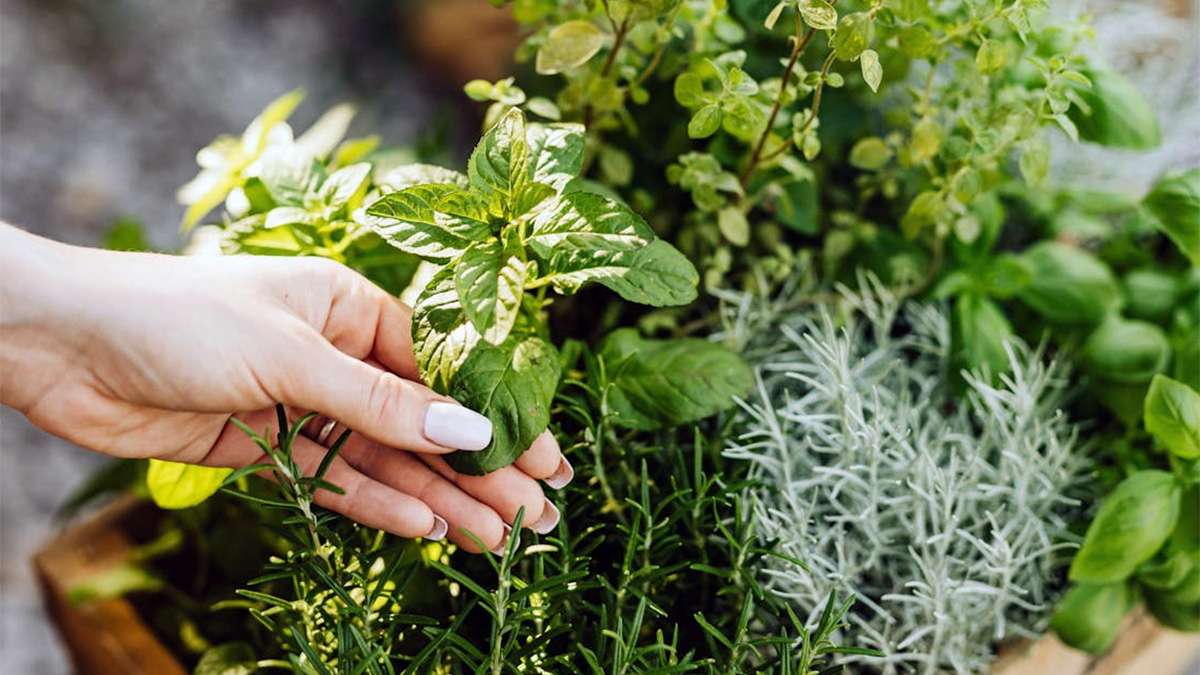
{"points": [[948, 519]]}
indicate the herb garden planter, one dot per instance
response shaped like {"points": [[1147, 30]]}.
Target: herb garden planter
{"points": [[771, 272], [108, 637]]}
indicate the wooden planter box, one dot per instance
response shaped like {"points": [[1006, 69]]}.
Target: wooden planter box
{"points": [[108, 637]]}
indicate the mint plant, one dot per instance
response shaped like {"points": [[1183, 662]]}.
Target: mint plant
{"points": [[515, 226]]}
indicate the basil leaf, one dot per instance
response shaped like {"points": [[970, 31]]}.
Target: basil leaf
{"points": [[978, 334], [1090, 614], [1068, 285], [442, 336], [657, 274], [1172, 414], [408, 220], [1175, 203], [1115, 114], [1126, 351], [179, 486], [490, 281], [588, 222], [513, 384], [1173, 613], [1131, 525], [556, 153], [500, 162], [666, 383]]}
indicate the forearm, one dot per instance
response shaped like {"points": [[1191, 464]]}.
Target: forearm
{"points": [[35, 296]]}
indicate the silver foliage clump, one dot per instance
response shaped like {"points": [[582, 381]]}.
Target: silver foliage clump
{"points": [[946, 517]]}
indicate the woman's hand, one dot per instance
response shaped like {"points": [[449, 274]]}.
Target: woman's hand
{"points": [[143, 355]]}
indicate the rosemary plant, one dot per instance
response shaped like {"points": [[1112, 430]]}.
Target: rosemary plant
{"points": [[947, 518]]}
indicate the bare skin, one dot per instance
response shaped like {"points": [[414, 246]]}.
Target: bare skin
{"points": [[145, 355]]}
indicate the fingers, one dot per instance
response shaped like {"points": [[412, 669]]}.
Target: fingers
{"points": [[364, 320], [404, 472], [544, 461], [366, 500], [507, 490], [381, 405]]}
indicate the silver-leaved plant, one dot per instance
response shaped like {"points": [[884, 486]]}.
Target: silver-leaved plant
{"points": [[946, 516]]}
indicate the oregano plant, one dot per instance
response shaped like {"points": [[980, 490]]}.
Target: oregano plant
{"points": [[514, 227]]}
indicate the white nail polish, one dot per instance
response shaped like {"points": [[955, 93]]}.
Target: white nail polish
{"points": [[453, 426], [499, 550], [548, 521], [440, 528], [562, 476]]}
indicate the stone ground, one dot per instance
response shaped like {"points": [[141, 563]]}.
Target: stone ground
{"points": [[103, 105], [102, 108]]}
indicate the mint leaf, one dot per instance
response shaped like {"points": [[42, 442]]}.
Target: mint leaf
{"points": [[490, 281], [587, 222], [555, 152], [656, 274], [410, 221], [345, 185], [289, 173], [1172, 414], [409, 175], [667, 383], [500, 162], [442, 336], [513, 384]]}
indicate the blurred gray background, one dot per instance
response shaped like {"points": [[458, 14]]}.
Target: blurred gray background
{"points": [[103, 104]]}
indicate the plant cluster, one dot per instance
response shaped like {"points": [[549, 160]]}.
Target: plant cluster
{"points": [[685, 153], [948, 518]]}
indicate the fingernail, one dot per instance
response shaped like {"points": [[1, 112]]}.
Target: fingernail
{"points": [[499, 550], [548, 521], [559, 479], [440, 528], [453, 426]]}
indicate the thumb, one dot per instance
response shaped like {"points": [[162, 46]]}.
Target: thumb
{"points": [[382, 406]]}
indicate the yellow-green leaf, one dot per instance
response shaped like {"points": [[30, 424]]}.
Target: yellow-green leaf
{"points": [[871, 70], [179, 486], [568, 46]]}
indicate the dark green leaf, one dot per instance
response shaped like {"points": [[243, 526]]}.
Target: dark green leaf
{"points": [[667, 383], [513, 384], [1132, 524]]}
